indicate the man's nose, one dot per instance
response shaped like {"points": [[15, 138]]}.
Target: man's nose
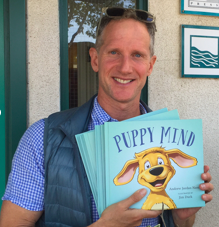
{"points": [[125, 66]]}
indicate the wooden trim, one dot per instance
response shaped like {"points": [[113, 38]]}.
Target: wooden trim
{"points": [[15, 76], [63, 21], [143, 4], [2, 103]]}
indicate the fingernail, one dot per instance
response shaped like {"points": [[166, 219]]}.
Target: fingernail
{"points": [[204, 197], [142, 192], [203, 186]]}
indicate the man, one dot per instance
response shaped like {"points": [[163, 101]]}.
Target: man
{"points": [[123, 59]]}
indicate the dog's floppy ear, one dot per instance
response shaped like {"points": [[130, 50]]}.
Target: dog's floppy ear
{"points": [[127, 173], [181, 159]]}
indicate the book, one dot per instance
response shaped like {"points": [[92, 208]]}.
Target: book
{"points": [[165, 157], [100, 150], [86, 142], [116, 148]]}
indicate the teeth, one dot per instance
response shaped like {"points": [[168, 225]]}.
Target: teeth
{"points": [[122, 81]]}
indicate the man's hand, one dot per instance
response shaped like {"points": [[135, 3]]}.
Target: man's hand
{"points": [[186, 217], [119, 214]]}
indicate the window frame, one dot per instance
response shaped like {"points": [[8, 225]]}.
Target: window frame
{"points": [[13, 78], [2, 103], [63, 21]]}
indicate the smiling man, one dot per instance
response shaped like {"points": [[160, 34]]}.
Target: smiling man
{"points": [[48, 185], [123, 64]]}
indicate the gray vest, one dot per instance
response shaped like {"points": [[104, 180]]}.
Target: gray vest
{"points": [[67, 195]]}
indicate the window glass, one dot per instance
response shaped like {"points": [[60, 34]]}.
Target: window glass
{"points": [[83, 17]]}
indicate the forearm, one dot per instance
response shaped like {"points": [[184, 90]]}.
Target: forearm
{"points": [[184, 223], [13, 215], [98, 223]]}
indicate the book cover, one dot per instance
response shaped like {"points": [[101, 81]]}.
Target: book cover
{"points": [[91, 151], [91, 147], [165, 157], [101, 159]]}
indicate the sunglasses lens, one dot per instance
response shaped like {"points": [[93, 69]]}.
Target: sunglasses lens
{"points": [[115, 12], [144, 16]]}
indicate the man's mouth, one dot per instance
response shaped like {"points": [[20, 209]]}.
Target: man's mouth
{"points": [[122, 81], [158, 183]]}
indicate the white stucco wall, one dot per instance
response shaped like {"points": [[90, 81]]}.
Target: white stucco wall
{"points": [[194, 98], [43, 67]]}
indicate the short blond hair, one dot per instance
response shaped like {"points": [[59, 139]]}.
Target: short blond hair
{"points": [[128, 14]]}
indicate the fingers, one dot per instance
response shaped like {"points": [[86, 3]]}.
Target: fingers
{"points": [[139, 213], [147, 213], [119, 214], [134, 198], [207, 197], [207, 186], [206, 168], [206, 177]]}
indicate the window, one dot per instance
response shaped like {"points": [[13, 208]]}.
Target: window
{"points": [[82, 18]]}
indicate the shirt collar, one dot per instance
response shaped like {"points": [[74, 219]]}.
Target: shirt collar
{"points": [[99, 116]]}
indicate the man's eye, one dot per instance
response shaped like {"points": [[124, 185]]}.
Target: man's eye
{"points": [[137, 55], [113, 52]]}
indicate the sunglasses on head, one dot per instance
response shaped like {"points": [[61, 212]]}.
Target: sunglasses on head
{"points": [[114, 12], [117, 12]]}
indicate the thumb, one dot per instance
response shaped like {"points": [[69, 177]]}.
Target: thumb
{"points": [[134, 198]]}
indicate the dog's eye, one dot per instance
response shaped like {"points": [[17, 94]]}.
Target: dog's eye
{"points": [[160, 161], [147, 165]]}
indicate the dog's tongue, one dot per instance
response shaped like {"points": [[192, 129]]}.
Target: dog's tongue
{"points": [[158, 183]]}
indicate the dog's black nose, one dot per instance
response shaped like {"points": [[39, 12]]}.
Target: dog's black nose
{"points": [[156, 171]]}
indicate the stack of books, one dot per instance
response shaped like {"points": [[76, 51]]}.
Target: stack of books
{"points": [[157, 151]]}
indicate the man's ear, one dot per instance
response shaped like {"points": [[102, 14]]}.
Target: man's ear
{"points": [[152, 62], [94, 59]]}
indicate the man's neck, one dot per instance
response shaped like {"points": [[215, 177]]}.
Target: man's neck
{"points": [[120, 111]]}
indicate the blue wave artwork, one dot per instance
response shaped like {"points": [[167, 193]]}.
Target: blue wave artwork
{"points": [[203, 59]]}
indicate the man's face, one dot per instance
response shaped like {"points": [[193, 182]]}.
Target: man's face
{"points": [[123, 62]]}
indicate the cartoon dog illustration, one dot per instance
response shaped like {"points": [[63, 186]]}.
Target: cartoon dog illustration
{"points": [[155, 171]]}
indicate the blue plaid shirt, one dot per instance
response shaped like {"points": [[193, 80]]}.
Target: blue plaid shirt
{"points": [[25, 186]]}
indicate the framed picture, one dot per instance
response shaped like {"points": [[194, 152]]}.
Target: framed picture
{"points": [[200, 51], [200, 7]]}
